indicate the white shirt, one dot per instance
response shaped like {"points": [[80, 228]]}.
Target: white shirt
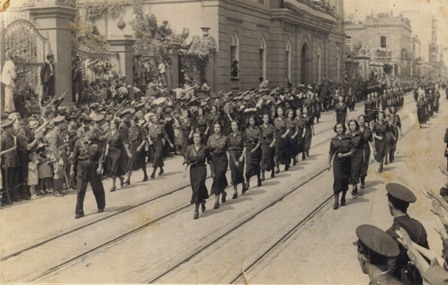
{"points": [[162, 68], [9, 73]]}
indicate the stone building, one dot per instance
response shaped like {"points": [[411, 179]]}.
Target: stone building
{"points": [[302, 40], [388, 39]]}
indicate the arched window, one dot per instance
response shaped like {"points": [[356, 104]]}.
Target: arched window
{"points": [[262, 58], [288, 60], [234, 56], [319, 65]]}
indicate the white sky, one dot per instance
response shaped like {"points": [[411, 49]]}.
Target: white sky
{"points": [[420, 12]]}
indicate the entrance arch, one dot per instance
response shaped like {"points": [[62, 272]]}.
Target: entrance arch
{"points": [[305, 64]]}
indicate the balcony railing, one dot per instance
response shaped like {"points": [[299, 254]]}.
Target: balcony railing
{"points": [[319, 6]]}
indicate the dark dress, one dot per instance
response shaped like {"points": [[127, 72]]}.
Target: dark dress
{"points": [[185, 128], [267, 153], [117, 160], [301, 125], [218, 147], [380, 129], [308, 133], [357, 157], [235, 143], [253, 159], [293, 143], [341, 113], [341, 165], [157, 134], [136, 136], [421, 112], [281, 144], [367, 136], [198, 171]]}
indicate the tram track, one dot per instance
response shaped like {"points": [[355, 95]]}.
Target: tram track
{"points": [[171, 213]]}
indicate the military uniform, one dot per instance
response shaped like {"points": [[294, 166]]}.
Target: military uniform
{"points": [[89, 154], [402, 269], [9, 166]]}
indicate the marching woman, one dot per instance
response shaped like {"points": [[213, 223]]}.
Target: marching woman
{"points": [[253, 152], [137, 142], [293, 141], [186, 128], [202, 125], [281, 143], [218, 146], [391, 139], [116, 150], [341, 110], [267, 143], [356, 158], [379, 134], [341, 148], [236, 148], [308, 132], [195, 157], [421, 111], [367, 137], [156, 138], [301, 123]]}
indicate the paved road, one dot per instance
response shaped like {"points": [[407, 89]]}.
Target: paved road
{"points": [[165, 236]]}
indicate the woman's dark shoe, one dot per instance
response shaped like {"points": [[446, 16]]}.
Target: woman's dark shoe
{"points": [[272, 173], [127, 182], [245, 187], [223, 198], [161, 171], [259, 182], [262, 176], [203, 206], [362, 185], [196, 216], [153, 175], [145, 178], [121, 182], [235, 195], [342, 202], [277, 170], [335, 206], [113, 189], [216, 206]]}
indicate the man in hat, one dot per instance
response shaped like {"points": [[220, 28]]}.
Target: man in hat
{"points": [[89, 153], [399, 198], [375, 249], [9, 164], [8, 79], [47, 77]]}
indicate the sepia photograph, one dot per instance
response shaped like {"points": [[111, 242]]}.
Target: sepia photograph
{"points": [[224, 142]]}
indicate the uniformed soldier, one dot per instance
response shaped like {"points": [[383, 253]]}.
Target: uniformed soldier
{"points": [[399, 199], [9, 164], [58, 152], [89, 153], [375, 249]]}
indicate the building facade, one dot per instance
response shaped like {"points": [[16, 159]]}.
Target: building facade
{"points": [[301, 40], [388, 40]]}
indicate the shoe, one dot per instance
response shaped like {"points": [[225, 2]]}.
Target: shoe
{"points": [[335, 206], [203, 206], [223, 198], [216, 206], [161, 171], [79, 215], [262, 178], [259, 182], [287, 167], [49, 191], [127, 182], [57, 194], [196, 216], [145, 178], [343, 202], [235, 195], [34, 197], [362, 185], [100, 210], [272, 174], [121, 182], [245, 187], [277, 171], [113, 189], [152, 176]]}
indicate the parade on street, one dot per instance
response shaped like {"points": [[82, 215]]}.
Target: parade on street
{"points": [[241, 147]]}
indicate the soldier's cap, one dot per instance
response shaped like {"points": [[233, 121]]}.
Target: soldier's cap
{"points": [[59, 119], [6, 123], [400, 192], [376, 240], [98, 117]]}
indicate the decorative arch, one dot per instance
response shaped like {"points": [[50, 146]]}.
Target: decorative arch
{"points": [[306, 60], [262, 57], [234, 55]]}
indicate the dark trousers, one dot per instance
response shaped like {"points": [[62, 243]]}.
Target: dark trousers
{"points": [[10, 185], [87, 173], [49, 89]]}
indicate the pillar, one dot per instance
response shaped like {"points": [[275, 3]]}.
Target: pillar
{"points": [[54, 20], [173, 77], [124, 60]]}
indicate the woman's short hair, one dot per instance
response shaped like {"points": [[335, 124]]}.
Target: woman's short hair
{"points": [[344, 128], [354, 121]]}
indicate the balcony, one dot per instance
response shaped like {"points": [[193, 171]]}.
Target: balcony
{"points": [[313, 7], [383, 54]]}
